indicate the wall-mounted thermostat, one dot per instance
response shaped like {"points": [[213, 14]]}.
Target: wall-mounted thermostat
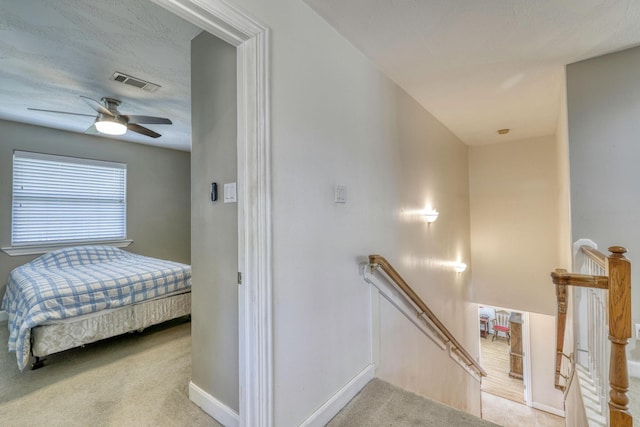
{"points": [[214, 191]]}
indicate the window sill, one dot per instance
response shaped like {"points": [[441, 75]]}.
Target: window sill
{"points": [[41, 249]]}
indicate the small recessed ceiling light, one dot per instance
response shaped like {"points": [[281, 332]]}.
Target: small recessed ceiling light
{"points": [[503, 131]]}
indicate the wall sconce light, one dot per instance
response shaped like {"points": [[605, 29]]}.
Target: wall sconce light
{"points": [[431, 215], [460, 267]]}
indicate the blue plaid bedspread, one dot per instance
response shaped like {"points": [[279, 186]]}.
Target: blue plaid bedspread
{"points": [[80, 280]]}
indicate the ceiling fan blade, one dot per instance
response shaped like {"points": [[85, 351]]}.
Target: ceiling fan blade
{"points": [[60, 112], [147, 119], [142, 130], [92, 130], [96, 106]]}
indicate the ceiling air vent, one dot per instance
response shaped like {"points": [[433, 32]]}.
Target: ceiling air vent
{"points": [[134, 81]]}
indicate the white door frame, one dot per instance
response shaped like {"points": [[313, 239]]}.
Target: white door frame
{"points": [[526, 349], [251, 40]]}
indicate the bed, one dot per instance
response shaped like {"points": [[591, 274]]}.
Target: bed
{"points": [[74, 296]]}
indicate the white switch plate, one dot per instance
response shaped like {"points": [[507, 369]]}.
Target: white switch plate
{"points": [[340, 194], [638, 331], [230, 193]]}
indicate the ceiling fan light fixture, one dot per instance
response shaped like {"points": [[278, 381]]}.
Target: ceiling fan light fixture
{"points": [[110, 126], [109, 121]]}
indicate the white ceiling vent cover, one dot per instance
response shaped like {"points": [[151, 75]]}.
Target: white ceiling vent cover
{"points": [[134, 81]]}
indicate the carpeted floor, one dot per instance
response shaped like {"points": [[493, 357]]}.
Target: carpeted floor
{"points": [[634, 399], [137, 379], [382, 404], [142, 380]]}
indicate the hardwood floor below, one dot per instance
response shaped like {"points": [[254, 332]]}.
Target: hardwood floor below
{"points": [[494, 358]]}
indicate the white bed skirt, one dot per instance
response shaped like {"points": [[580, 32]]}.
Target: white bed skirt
{"points": [[56, 337]]}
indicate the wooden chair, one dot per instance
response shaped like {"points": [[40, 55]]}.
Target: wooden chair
{"points": [[501, 324]]}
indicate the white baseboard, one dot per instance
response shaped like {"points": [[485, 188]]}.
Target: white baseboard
{"points": [[339, 400], [212, 406], [4, 316], [549, 409], [634, 369]]}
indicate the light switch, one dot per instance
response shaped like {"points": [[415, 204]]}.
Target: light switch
{"points": [[230, 193], [340, 194]]}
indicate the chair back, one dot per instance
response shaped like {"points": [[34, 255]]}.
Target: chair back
{"points": [[502, 318]]}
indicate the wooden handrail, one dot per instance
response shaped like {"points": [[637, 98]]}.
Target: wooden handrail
{"points": [[562, 277], [402, 284], [618, 283], [595, 255]]}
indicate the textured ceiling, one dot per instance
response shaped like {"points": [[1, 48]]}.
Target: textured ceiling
{"points": [[53, 51], [480, 66]]}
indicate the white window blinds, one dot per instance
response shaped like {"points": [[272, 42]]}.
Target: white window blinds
{"points": [[67, 199]]}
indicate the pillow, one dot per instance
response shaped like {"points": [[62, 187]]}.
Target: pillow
{"points": [[78, 255]]}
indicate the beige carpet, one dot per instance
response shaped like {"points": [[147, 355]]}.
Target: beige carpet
{"points": [[133, 380], [508, 413], [382, 404], [634, 399]]}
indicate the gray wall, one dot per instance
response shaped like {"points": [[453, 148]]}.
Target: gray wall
{"points": [[603, 96], [158, 188], [214, 240]]}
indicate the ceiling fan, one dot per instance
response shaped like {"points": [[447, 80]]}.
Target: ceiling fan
{"points": [[109, 120]]}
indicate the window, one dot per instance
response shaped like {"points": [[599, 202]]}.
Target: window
{"points": [[60, 199]]}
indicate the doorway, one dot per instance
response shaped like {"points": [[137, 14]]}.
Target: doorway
{"points": [[503, 341], [250, 39]]}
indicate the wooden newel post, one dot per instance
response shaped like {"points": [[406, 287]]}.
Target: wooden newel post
{"points": [[619, 334]]}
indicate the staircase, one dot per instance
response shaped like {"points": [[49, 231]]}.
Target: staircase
{"points": [[383, 404], [590, 398]]}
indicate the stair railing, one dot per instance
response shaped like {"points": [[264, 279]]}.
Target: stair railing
{"points": [[602, 309], [447, 340]]}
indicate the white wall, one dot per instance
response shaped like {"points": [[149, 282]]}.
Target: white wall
{"points": [[214, 232], [430, 167], [514, 222], [516, 219], [335, 119], [411, 360], [603, 108], [543, 363], [565, 244]]}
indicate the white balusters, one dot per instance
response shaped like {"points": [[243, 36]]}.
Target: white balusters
{"points": [[591, 305]]}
